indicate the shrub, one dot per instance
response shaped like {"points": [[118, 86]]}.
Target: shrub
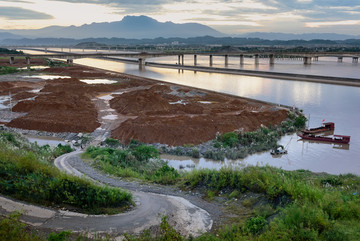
{"points": [[112, 142], [255, 225], [195, 153], [229, 139], [143, 153]]}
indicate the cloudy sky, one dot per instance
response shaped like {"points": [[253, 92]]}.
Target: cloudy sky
{"points": [[228, 16]]}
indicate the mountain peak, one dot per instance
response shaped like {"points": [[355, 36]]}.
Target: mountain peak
{"points": [[130, 19]]}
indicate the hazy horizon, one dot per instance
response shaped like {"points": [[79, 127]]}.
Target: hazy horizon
{"points": [[229, 17]]}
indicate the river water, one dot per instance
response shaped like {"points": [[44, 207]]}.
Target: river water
{"points": [[320, 102]]}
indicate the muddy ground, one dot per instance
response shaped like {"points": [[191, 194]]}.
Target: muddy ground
{"points": [[143, 109]]}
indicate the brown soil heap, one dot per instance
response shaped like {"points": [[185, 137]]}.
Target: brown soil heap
{"points": [[147, 111], [177, 115]]}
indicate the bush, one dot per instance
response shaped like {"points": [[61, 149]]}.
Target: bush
{"points": [[229, 139], [112, 142], [195, 153], [255, 225], [144, 153]]}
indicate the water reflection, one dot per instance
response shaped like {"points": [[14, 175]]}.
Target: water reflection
{"points": [[334, 145]]}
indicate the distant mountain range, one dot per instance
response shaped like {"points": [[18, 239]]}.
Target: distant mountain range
{"points": [[143, 27], [304, 36], [136, 27]]}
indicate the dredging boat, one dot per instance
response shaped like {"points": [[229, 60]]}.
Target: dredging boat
{"points": [[327, 126], [279, 150], [340, 139]]}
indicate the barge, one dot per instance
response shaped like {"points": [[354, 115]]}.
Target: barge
{"points": [[340, 139], [328, 126]]}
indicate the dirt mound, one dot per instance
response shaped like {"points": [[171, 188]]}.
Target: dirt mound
{"points": [[151, 112], [182, 130], [57, 112]]}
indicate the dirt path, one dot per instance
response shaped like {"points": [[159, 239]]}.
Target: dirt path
{"points": [[186, 217]]}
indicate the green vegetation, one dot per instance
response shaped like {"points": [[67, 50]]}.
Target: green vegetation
{"points": [[237, 145], [135, 161], [8, 70], [300, 205], [303, 205], [9, 51], [56, 63], [26, 173]]}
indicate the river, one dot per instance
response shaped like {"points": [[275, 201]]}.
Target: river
{"points": [[321, 102]]}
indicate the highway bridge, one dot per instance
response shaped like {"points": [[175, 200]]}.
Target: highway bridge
{"points": [[140, 57]]}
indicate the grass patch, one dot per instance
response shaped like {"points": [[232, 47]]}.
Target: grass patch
{"points": [[135, 161], [8, 70], [26, 176]]}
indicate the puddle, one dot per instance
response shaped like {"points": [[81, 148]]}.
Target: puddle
{"points": [[98, 81], [181, 102], [4, 99], [188, 163], [106, 97], [110, 117], [108, 110], [36, 67], [46, 140], [47, 77]]}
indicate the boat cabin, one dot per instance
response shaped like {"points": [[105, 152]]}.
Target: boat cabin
{"points": [[345, 139], [329, 125]]}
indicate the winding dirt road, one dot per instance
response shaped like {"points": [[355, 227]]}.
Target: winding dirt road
{"points": [[186, 218]]}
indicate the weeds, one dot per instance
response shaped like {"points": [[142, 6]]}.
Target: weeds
{"points": [[25, 176]]}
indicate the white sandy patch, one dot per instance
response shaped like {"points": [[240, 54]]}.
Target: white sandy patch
{"points": [[35, 90], [106, 97], [98, 81], [205, 102], [181, 102], [110, 117], [47, 77]]}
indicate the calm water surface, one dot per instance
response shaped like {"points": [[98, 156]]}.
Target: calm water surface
{"points": [[339, 104]]}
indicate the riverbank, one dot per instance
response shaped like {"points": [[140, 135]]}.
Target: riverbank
{"points": [[265, 74]]}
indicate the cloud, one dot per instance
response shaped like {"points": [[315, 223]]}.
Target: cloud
{"points": [[16, 13], [335, 23]]}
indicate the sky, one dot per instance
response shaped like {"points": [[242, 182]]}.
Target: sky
{"points": [[227, 16]]}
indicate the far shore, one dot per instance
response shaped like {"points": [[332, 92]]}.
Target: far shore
{"points": [[265, 74]]}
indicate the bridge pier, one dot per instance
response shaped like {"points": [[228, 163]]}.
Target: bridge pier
{"points": [[69, 50], [181, 59], [141, 63], [46, 50], [355, 60], [241, 59], [12, 60], [340, 59], [272, 59], [70, 61], [195, 59], [256, 59], [316, 58], [211, 60], [27, 60], [307, 60], [226, 60]]}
